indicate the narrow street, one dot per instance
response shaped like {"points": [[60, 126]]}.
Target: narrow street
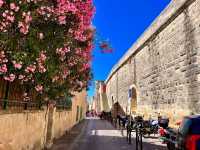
{"points": [[95, 134]]}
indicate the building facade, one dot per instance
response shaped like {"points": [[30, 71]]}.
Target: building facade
{"points": [[100, 98]]}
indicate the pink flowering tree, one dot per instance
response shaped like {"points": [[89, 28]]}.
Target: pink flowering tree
{"points": [[46, 44]]}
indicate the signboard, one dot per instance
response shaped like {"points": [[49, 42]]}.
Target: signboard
{"points": [[130, 93]]}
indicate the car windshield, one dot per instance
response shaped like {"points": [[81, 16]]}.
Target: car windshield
{"points": [[185, 126], [195, 129]]}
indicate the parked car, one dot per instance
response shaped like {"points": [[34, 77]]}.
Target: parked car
{"points": [[188, 137]]}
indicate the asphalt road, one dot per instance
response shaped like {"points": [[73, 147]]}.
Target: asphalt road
{"points": [[95, 134]]}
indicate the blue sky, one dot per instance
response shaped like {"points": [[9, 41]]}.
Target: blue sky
{"points": [[122, 22]]}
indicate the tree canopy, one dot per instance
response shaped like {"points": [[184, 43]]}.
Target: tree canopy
{"points": [[47, 44]]}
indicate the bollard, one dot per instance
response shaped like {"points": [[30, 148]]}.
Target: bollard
{"points": [[129, 136], [127, 132], [141, 144], [136, 138]]}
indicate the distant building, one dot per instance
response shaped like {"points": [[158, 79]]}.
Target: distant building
{"points": [[100, 98], [90, 103], [93, 104]]}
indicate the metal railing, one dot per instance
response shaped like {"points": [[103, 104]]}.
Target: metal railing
{"points": [[19, 105], [63, 107], [27, 105]]}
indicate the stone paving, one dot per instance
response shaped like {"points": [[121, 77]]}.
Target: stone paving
{"points": [[95, 134]]}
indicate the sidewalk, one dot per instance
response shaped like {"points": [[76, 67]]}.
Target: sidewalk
{"points": [[66, 140]]}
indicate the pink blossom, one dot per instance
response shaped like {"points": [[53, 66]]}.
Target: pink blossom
{"points": [[3, 58], [1, 3], [12, 6], [41, 62], [24, 24], [62, 19], [43, 57], [2, 54], [30, 69], [23, 27], [11, 18], [41, 36], [21, 77], [10, 78], [28, 19], [17, 65], [3, 68], [26, 97], [6, 78], [25, 94], [42, 69], [17, 9], [64, 6], [25, 80], [39, 88], [65, 73], [85, 67], [62, 52]]}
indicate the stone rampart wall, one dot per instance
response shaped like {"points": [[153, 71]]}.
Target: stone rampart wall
{"points": [[163, 65]]}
